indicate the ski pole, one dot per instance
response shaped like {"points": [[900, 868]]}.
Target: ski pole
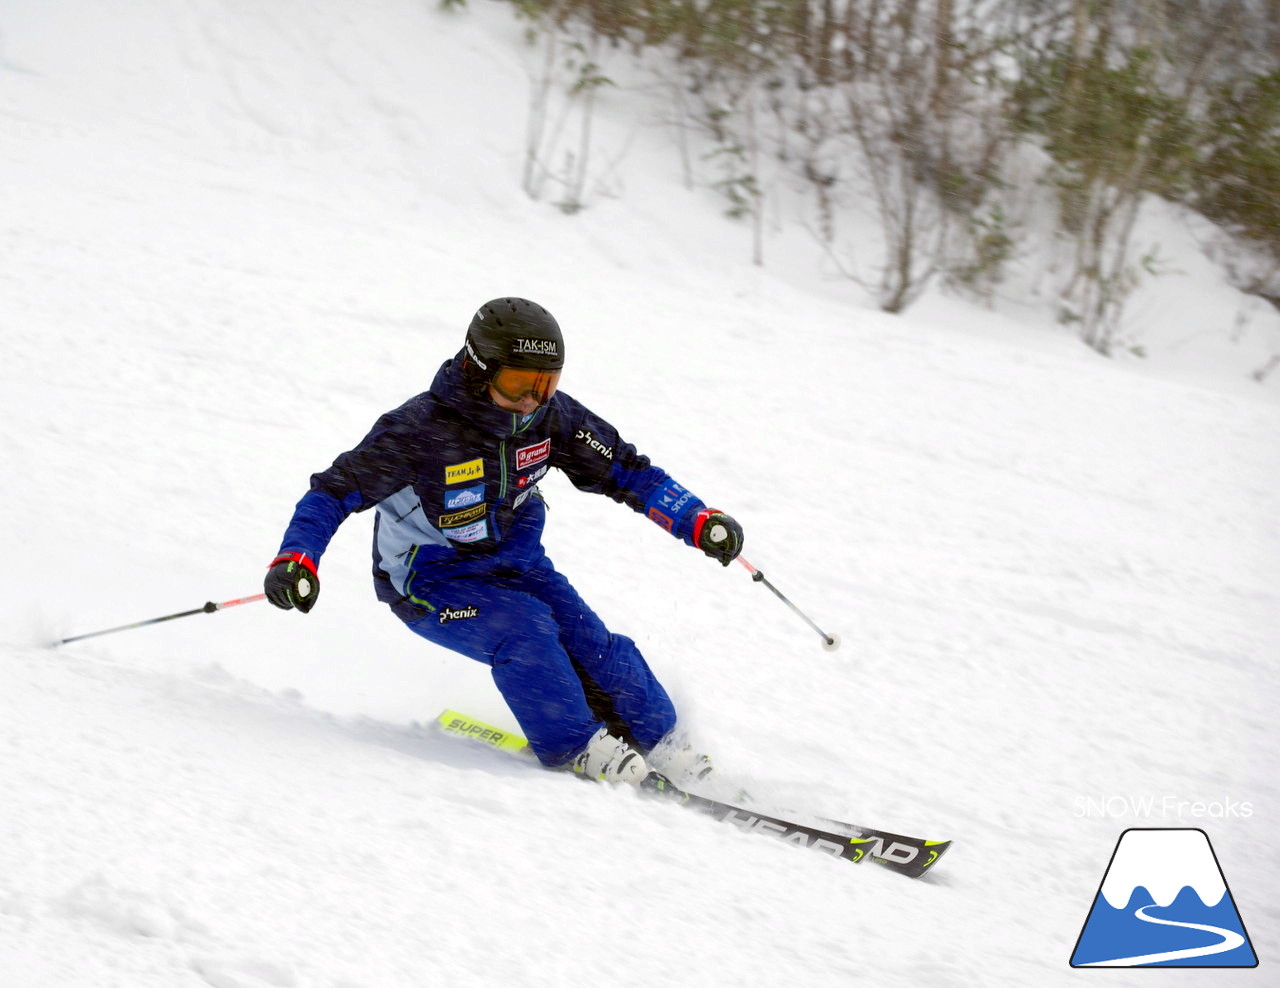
{"points": [[208, 608], [829, 642]]}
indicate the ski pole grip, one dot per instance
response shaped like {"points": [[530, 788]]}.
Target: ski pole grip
{"points": [[210, 607]]}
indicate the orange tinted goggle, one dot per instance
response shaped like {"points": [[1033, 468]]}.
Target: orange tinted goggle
{"points": [[515, 383]]}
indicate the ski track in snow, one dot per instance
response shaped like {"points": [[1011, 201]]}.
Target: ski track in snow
{"points": [[233, 235]]}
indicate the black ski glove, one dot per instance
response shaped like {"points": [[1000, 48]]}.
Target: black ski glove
{"points": [[292, 581], [718, 535]]}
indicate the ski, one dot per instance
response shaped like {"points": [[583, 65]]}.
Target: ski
{"points": [[460, 725], [910, 856]]}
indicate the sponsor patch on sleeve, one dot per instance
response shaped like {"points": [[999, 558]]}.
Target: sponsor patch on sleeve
{"points": [[669, 504], [665, 521]]}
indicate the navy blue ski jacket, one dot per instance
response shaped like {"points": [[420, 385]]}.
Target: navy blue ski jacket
{"points": [[454, 479]]}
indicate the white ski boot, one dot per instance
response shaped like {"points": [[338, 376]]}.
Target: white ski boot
{"points": [[681, 763], [610, 759]]}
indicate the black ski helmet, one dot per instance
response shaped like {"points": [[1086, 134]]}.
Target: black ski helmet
{"points": [[514, 332]]}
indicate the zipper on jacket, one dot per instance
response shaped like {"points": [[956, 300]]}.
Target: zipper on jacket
{"points": [[412, 552]]}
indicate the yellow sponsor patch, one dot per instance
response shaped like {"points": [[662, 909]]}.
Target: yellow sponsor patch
{"points": [[460, 472], [462, 517]]}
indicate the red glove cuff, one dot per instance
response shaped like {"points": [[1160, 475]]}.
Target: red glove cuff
{"points": [[297, 557], [699, 521]]}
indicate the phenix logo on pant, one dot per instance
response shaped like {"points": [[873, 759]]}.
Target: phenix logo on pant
{"points": [[458, 614]]}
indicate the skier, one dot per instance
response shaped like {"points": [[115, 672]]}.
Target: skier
{"points": [[458, 555]]}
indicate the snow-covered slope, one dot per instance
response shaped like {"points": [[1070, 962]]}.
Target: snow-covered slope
{"points": [[233, 235]]}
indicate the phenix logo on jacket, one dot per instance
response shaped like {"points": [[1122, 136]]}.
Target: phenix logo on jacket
{"points": [[585, 436], [448, 472]]}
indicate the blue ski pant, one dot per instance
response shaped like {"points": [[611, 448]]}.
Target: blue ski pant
{"points": [[548, 650]]}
